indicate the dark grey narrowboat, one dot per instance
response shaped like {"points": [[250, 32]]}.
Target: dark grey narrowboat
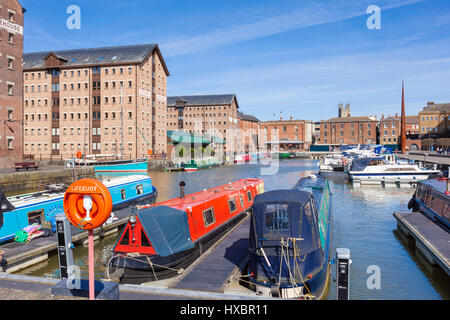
{"points": [[290, 241]]}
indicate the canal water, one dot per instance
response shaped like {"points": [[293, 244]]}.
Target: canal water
{"points": [[384, 266]]}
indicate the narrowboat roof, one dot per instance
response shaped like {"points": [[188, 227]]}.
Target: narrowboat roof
{"points": [[439, 185], [35, 197], [200, 197], [314, 185], [167, 229], [283, 196]]}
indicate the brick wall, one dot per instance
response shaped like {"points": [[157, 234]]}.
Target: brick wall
{"points": [[11, 53]]}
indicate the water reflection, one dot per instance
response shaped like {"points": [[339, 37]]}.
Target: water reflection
{"points": [[363, 222]]}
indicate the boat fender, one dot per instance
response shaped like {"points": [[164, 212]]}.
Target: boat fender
{"points": [[75, 204]]}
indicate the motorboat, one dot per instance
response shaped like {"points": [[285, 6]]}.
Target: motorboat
{"points": [[377, 170]]}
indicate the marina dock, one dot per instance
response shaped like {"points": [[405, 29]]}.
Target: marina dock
{"points": [[430, 239], [205, 279], [427, 157], [211, 272], [19, 255]]}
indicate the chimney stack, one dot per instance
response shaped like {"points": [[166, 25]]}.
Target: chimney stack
{"points": [[182, 184], [403, 122]]}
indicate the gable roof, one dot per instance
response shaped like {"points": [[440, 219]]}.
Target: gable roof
{"points": [[95, 56], [247, 117], [204, 100]]}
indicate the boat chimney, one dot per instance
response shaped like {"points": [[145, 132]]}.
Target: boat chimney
{"points": [[182, 184]]}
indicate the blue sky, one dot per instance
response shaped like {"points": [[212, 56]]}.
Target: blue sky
{"points": [[297, 57]]}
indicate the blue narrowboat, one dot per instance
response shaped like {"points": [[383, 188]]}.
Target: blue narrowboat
{"points": [[113, 166], [123, 167], [20, 211], [432, 198], [290, 241]]}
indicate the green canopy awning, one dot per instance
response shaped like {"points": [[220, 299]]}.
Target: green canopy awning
{"points": [[177, 137]]}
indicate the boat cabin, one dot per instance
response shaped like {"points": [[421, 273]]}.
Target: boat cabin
{"points": [[175, 225], [290, 217], [433, 200]]}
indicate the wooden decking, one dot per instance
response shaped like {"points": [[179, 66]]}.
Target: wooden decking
{"points": [[20, 255], [432, 240], [211, 272]]}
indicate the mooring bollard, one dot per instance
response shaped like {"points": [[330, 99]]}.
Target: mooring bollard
{"points": [[65, 246], [343, 263]]}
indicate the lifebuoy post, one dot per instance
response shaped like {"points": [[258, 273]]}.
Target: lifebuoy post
{"points": [[87, 205]]}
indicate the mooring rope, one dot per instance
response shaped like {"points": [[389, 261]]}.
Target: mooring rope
{"points": [[134, 255]]}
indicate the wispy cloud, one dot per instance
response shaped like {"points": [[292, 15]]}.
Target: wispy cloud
{"points": [[312, 14], [311, 88]]}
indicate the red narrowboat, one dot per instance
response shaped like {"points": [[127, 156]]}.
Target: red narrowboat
{"points": [[246, 158], [160, 240]]}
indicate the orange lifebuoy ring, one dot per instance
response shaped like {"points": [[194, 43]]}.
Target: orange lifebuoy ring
{"points": [[74, 203]]}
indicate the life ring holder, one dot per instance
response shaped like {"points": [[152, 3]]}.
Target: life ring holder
{"points": [[101, 204]]}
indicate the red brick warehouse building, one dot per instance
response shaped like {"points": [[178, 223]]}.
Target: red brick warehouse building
{"points": [[11, 83], [346, 129], [290, 135]]}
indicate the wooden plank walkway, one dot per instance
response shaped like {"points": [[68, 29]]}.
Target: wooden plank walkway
{"points": [[429, 237], [212, 270]]}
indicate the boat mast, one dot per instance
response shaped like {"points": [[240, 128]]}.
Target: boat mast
{"points": [[121, 119], [403, 122]]}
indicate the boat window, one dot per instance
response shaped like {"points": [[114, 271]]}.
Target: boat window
{"points": [[437, 204], [399, 169], [232, 205], [144, 240], [242, 201], [35, 216], [311, 220], [126, 238], [208, 217], [139, 189], [277, 219], [308, 209], [249, 196], [446, 212], [123, 194]]}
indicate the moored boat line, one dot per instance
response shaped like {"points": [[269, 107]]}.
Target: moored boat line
{"points": [[429, 222], [39, 207], [290, 241], [163, 239]]}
